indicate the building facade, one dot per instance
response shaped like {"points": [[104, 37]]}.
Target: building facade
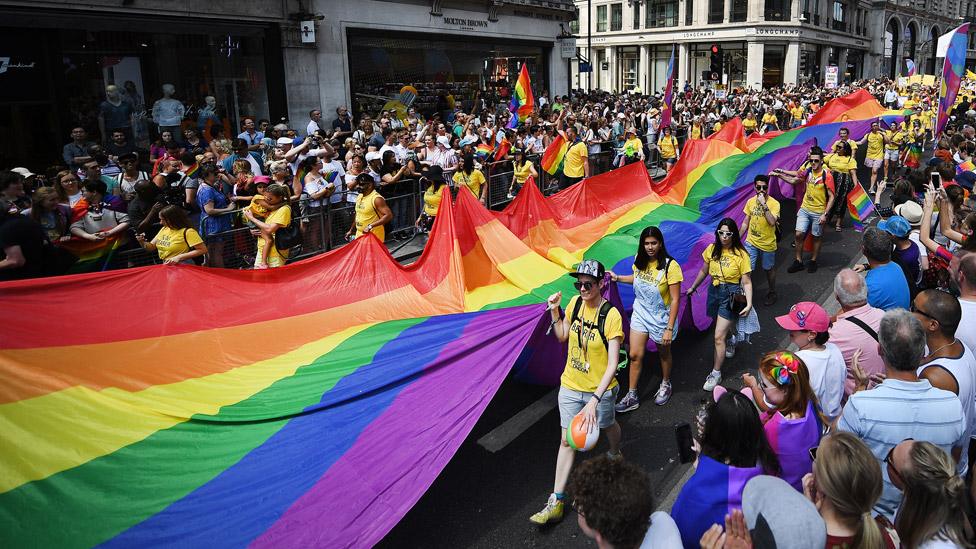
{"points": [[760, 43], [274, 60]]}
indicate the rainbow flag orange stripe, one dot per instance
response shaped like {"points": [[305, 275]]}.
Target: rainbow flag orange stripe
{"points": [[522, 100], [554, 155]]}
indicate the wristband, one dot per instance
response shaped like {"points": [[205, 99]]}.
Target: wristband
{"points": [[598, 398]]}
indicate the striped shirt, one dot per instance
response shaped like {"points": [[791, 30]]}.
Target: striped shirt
{"points": [[897, 410]]}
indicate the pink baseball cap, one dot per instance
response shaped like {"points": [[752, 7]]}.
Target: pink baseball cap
{"points": [[262, 179], [805, 315]]}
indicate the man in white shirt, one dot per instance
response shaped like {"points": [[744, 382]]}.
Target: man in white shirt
{"points": [[315, 115], [963, 271]]}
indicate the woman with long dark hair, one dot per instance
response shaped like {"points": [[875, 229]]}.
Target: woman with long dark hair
{"points": [[177, 241], [727, 262], [733, 450], [471, 178], [843, 167], [657, 288], [522, 170]]}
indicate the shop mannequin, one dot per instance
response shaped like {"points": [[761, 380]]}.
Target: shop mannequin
{"points": [[207, 116], [167, 112], [114, 114]]}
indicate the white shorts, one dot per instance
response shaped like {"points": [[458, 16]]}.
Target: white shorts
{"points": [[874, 163], [892, 155]]}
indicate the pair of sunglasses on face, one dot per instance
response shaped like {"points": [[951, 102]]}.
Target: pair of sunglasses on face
{"points": [[584, 285]]}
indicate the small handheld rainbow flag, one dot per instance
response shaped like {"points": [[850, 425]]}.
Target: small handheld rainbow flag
{"points": [[501, 151], [668, 102], [331, 176], [522, 101], [191, 172], [554, 155], [859, 206], [482, 151], [966, 166]]}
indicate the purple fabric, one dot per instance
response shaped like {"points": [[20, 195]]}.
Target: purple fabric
{"points": [[409, 444]]}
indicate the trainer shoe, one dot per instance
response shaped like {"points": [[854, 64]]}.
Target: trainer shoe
{"points": [[663, 393], [795, 267], [812, 266], [628, 403], [713, 379], [770, 299], [730, 346], [552, 512]]}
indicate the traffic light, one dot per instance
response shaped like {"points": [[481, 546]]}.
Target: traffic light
{"points": [[715, 64]]}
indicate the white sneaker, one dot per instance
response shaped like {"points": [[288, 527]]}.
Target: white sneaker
{"points": [[730, 346], [713, 379]]}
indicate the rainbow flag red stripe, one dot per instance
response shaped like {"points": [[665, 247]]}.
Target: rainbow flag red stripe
{"points": [[483, 151], [502, 150], [522, 101]]}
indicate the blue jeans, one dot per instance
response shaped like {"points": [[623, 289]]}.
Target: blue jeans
{"points": [[757, 257]]}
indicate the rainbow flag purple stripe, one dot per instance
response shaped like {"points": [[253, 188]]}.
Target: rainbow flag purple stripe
{"points": [[952, 73], [668, 104]]}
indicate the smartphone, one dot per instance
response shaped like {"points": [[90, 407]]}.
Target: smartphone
{"points": [[936, 179], [686, 451]]}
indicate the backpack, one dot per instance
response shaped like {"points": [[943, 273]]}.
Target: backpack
{"points": [[624, 358], [288, 237]]}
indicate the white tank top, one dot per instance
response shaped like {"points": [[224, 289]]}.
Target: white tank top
{"points": [[963, 369]]}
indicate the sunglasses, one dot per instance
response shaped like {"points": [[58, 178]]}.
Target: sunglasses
{"points": [[892, 470], [762, 187], [584, 285], [915, 309], [816, 160], [725, 233]]}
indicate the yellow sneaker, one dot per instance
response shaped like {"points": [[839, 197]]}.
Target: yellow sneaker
{"points": [[552, 512]]}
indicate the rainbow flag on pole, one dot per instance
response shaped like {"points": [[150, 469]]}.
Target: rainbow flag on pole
{"points": [[522, 101], [859, 206], [668, 103], [966, 166], [910, 67], [483, 151], [554, 155], [952, 74]]}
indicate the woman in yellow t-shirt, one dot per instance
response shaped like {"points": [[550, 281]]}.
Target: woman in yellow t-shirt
{"points": [[797, 114], [667, 144], [843, 168], [434, 177], [657, 288], [770, 122], [471, 178], [177, 241], [268, 255], [522, 170], [750, 123], [727, 262], [587, 387]]}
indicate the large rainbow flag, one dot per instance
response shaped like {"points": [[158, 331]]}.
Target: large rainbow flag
{"points": [[309, 409], [952, 74], [522, 101]]}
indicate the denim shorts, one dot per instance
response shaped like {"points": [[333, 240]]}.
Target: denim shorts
{"points": [[719, 301], [767, 259], [571, 402], [808, 221], [892, 155]]}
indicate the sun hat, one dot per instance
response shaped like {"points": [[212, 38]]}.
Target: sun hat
{"points": [[373, 155], [444, 140], [284, 141], [24, 172], [911, 211], [779, 516]]}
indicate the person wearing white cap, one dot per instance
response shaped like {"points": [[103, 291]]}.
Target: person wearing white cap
{"points": [[443, 156]]}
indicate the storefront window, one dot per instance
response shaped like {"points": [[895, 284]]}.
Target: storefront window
{"points": [[444, 72], [628, 60], [774, 58], [658, 73], [777, 10], [227, 66]]}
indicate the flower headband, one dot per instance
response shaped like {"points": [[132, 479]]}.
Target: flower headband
{"points": [[788, 364]]}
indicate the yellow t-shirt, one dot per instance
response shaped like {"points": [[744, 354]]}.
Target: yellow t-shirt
{"points": [[769, 118], [761, 234], [171, 242], [838, 163], [853, 145], [717, 127], [815, 197], [522, 173], [432, 200], [696, 131], [633, 146], [575, 157], [749, 123], [474, 182], [667, 146], [650, 274], [366, 214], [257, 207], [281, 216], [875, 145], [797, 112], [729, 268], [895, 139], [586, 363]]}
